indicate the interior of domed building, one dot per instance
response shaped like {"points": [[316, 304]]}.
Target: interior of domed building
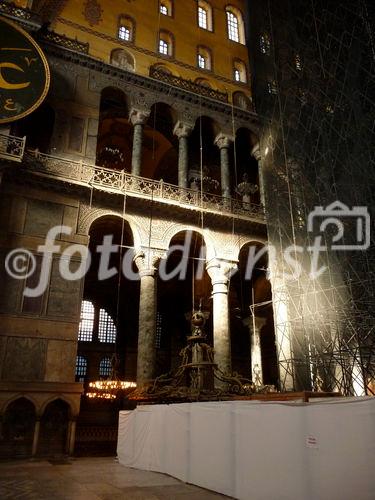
{"points": [[171, 178]]}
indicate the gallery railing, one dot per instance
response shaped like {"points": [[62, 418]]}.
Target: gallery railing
{"points": [[12, 148], [114, 181]]}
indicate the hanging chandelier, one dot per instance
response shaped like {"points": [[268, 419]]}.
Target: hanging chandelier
{"points": [[112, 387]]}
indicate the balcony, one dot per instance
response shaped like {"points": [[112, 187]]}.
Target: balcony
{"points": [[12, 148], [121, 182]]}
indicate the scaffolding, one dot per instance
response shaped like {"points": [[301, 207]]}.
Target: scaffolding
{"points": [[315, 93]]}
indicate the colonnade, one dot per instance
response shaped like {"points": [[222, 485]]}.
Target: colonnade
{"points": [[219, 271], [138, 118]]}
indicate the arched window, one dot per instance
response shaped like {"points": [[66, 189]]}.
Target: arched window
{"points": [[166, 7], [165, 44], [107, 330], [96, 324], [265, 43], [122, 59], [239, 71], [81, 368], [204, 58], [105, 367], [235, 25], [126, 29], [86, 324], [205, 15]]}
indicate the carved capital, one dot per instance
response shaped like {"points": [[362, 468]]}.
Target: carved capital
{"points": [[255, 152], [138, 116], [147, 261], [220, 271], [182, 129], [223, 141]]}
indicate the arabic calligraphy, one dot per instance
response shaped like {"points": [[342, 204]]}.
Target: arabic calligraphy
{"points": [[24, 73]]}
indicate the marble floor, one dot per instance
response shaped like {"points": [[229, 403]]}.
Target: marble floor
{"points": [[91, 479]]}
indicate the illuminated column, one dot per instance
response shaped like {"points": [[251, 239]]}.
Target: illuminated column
{"points": [[219, 272], [146, 264], [36, 437], [255, 326], [283, 335], [137, 118], [182, 131], [223, 142]]}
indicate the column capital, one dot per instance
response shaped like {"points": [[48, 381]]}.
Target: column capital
{"points": [[182, 129], [255, 152], [223, 141], [138, 116], [148, 260], [220, 271]]}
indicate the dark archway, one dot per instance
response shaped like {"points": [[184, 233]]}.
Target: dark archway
{"points": [[246, 166], [250, 305], [37, 127], [54, 429], [18, 429], [204, 155], [178, 296], [114, 144], [160, 145]]}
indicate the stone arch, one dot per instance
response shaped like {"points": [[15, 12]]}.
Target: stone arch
{"points": [[174, 229], [14, 398], [18, 424], [241, 100], [91, 215], [158, 70], [72, 410], [246, 240], [123, 59]]}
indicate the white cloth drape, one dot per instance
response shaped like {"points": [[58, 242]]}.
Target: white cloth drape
{"points": [[251, 450]]}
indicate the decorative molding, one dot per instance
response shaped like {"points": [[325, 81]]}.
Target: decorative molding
{"points": [[149, 91], [92, 12]]}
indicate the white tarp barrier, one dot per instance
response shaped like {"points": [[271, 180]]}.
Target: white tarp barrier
{"points": [[254, 450]]}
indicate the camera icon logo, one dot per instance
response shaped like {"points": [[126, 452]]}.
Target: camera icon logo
{"points": [[339, 215]]}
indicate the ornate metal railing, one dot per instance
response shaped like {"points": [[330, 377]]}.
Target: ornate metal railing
{"points": [[121, 182], [64, 41], [12, 148], [188, 85], [12, 10]]}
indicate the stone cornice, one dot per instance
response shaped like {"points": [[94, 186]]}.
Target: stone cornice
{"points": [[246, 118]]}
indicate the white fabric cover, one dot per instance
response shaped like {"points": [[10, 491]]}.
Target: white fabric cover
{"points": [[323, 450]]}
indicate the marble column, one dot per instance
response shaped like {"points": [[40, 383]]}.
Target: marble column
{"points": [[223, 142], [71, 436], [255, 326], [219, 272], [137, 118], [146, 264], [36, 437], [182, 131], [255, 152]]}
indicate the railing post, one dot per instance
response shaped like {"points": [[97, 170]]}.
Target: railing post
{"points": [[161, 188], [23, 146]]}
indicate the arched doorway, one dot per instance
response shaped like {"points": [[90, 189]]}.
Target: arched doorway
{"points": [[18, 429], [204, 156], [54, 429], [160, 145], [114, 144], [246, 167], [251, 316], [108, 326], [178, 296]]}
